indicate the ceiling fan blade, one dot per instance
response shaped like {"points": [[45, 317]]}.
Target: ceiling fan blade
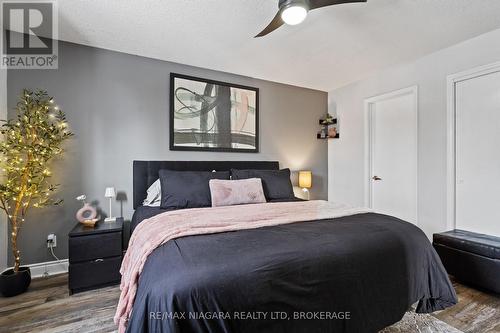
{"points": [[275, 24], [315, 4]]}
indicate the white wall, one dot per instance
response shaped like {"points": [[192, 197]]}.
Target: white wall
{"points": [[346, 156], [3, 220]]}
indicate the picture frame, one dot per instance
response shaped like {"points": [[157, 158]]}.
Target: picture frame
{"points": [[210, 115]]}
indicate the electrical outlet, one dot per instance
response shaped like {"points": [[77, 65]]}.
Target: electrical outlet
{"points": [[51, 240]]}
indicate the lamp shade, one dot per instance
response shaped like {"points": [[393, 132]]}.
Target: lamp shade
{"points": [[110, 192], [305, 179]]}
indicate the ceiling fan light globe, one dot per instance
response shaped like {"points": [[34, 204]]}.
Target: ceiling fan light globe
{"points": [[294, 15]]}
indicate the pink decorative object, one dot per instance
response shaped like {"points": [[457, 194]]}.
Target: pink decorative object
{"points": [[87, 212], [236, 192]]}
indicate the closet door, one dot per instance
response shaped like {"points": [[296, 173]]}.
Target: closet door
{"points": [[393, 153], [477, 139]]}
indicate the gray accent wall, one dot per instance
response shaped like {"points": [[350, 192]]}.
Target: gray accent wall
{"points": [[117, 105]]}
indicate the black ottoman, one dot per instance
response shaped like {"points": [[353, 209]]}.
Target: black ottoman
{"points": [[470, 257]]}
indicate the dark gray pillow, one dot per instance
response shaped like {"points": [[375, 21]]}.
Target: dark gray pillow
{"points": [[187, 189], [276, 183]]}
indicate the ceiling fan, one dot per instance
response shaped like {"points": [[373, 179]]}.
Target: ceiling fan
{"points": [[293, 12]]}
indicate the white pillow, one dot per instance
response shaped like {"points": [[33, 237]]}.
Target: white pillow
{"points": [[153, 198]]}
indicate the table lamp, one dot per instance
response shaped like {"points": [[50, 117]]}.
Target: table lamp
{"points": [[110, 193], [305, 181]]}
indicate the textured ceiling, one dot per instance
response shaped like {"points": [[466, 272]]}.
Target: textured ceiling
{"points": [[334, 46]]}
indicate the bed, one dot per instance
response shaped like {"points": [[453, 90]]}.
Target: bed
{"points": [[355, 272]]}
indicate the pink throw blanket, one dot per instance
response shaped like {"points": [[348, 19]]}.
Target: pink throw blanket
{"points": [[153, 232]]}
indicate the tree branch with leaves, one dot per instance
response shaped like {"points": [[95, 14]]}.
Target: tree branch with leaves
{"points": [[29, 142]]}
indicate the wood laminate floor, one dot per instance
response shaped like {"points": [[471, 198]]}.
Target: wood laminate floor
{"points": [[476, 312], [47, 307]]}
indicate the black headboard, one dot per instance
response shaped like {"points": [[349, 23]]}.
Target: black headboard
{"points": [[146, 172]]}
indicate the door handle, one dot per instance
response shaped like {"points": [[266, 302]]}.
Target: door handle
{"points": [[99, 260], [376, 178]]}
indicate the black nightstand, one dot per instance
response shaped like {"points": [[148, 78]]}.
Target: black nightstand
{"points": [[95, 255]]}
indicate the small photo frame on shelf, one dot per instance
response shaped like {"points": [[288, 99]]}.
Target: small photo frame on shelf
{"points": [[329, 128], [333, 131]]}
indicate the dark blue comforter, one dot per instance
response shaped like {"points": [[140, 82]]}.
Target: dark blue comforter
{"points": [[352, 274]]}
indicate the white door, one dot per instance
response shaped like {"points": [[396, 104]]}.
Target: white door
{"points": [[477, 137], [393, 154]]}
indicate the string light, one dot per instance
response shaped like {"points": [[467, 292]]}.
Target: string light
{"points": [[31, 139]]}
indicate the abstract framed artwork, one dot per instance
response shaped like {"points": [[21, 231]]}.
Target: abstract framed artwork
{"points": [[208, 115]]}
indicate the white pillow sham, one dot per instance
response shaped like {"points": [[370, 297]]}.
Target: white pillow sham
{"points": [[153, 198]]}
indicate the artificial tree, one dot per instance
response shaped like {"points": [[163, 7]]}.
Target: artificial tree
{"points": [[29, 142]]}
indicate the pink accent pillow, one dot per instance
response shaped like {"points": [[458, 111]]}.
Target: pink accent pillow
{"points": [[236, 192]]}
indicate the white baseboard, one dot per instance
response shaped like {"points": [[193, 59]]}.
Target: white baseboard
{"points": [[40, 269], [50, 267]]}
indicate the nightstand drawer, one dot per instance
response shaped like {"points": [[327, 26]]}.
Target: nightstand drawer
{"points": [[94, 273], [89, 247]]}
